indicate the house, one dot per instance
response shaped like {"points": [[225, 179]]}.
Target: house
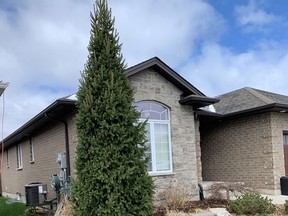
{"points": [[161, 94], [245, 143], [3, 86]]}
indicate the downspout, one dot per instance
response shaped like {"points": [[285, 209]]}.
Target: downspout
{"points": [[67, 149]]}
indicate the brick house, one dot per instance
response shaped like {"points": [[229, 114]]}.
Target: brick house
{"points": [[162, 95], [244, 142]]}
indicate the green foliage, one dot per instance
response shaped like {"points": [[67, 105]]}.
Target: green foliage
{"points": [[286, 206], [252, 204], [30, 212], [13, 209], [111, 168]]}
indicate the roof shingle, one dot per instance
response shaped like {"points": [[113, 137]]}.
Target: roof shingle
{"points": [[247, 98]]}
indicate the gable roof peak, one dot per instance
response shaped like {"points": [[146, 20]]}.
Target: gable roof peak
{"points": [[167, 72]]}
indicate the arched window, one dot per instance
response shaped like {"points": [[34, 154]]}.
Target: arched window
{"points": [[158, 135]]}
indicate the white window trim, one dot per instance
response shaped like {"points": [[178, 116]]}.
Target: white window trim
{"points": [[154, 172], [31, 148], [153, 147], [19, 157]]}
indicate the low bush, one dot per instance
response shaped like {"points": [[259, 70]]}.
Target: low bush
{"points": [[286, 206], [176, 196], [252, 204]]}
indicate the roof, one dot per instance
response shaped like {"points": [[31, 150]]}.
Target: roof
{"points": [[56, 111], [63, 106], [191, 95], [166, 72], [3, 86], [250, 100]]}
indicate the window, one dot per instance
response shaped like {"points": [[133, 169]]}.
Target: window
{"points": [[285, 138], [19, 157], [158, 135], [32, 156], [7, 158]]}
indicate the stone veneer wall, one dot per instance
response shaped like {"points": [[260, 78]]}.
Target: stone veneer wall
{"points": [[247, 149], [150, 85]]}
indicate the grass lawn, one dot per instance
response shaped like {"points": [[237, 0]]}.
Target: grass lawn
{"points": [[13, 209]]}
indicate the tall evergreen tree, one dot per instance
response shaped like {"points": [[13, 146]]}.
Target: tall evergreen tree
{"points": [[111, 168]]}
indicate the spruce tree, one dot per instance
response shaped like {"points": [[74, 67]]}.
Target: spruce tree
{"points": [[111, 167]]}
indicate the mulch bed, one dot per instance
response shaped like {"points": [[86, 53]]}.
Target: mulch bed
{"points": [[193, 205]]}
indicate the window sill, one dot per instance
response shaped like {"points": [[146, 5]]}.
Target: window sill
{"points": [[31, 162], [161, 174], [20, 169]]}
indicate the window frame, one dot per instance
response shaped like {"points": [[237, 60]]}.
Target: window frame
{"points": [[285, 137], [151, 123], [31, 148], [19, 155], [7, 158]]}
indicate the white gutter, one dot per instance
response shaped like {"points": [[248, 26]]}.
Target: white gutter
{"points": [[3, 86]]}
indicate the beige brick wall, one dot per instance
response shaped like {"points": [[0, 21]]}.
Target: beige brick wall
{"points": [[279, 124], [150, 85], [47, 144], [247, 149]]}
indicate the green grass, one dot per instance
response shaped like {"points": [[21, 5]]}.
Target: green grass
{"points": [[13, 209]]}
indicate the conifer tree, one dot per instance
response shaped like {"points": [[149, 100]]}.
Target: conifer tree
{"points": [[111, 168]]}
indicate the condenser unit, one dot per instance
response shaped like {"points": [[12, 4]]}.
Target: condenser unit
{"points": [[36, 194]]}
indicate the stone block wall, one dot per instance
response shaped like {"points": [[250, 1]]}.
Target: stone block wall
{"points": [[246, 149], [150, 85]]}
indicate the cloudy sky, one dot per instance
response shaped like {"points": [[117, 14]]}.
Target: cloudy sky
{"points": [[217, 45]]}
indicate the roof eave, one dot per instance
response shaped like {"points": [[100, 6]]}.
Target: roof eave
{"points": [[197, 101], [20, 132], [166, 72], [203, 113], [3, 86], [273, 107]]}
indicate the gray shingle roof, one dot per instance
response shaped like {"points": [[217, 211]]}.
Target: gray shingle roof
{"points": [[247, 98]]}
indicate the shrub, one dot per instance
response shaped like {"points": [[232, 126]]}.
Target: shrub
{"points": [[111, 166], [286, 206], [176, 196], [252, 203], [30, 212]]}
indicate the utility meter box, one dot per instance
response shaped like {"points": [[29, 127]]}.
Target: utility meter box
{"points": [[61, 160]]}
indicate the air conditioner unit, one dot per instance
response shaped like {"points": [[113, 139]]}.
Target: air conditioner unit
{"points": [[36, 194]]}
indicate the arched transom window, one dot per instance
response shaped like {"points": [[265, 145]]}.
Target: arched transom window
{"points": [[158, 135]]}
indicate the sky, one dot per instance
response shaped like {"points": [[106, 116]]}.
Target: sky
{"points": [[217, 45]]}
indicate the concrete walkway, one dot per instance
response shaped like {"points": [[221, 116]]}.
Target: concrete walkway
{"points": [[277, 199]]}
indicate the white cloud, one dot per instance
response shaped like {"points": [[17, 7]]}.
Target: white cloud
{"points": [[167, 29], [43, 48], [218, 70], [253, 17], [43, 44]]}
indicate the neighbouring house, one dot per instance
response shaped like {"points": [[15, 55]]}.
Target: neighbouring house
{"points": [[245, 143], [161, 95], [3, 86]]}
